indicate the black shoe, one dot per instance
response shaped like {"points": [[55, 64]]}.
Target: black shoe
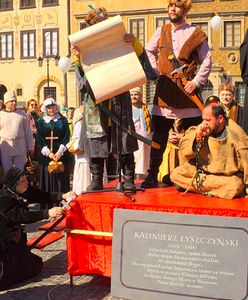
{"points": [[166, 180], [149, 183], [129, 187], [95, 186]]}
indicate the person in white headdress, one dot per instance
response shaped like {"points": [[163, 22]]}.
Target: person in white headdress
{"points": [[142, 122], [52, 136], [16, 142]]}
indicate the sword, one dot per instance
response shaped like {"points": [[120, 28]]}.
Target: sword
{"points": [[128, 130], [178, 73], [65, 204]]}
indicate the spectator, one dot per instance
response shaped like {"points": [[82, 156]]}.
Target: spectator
{"points": [[52, 136], [142, 123], [232, 109], [16, 136]]}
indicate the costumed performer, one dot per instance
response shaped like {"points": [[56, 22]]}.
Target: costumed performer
{"points": [[100, 136], [142, 123], [173, 46], [18, 262], [213, 157], [52, 136]]}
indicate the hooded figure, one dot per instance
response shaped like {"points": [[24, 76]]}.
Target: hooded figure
{"points": [[18, 262]]}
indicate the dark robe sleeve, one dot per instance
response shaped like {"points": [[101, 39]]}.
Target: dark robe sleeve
{"points": [[147, 67], [244, 75], [34, 195]]}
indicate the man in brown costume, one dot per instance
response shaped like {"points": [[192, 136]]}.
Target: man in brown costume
{"points": [[214, 157], [173, 45]]}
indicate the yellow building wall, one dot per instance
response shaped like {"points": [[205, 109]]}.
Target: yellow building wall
{"points": [[25, 73], [225, 60]]}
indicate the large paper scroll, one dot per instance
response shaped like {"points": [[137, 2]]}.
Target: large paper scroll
{"points": [[110, 64]]}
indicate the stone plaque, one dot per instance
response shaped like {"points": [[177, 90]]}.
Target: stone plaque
{"points": [[179, 256]]}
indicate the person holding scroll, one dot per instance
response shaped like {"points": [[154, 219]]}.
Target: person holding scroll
{"points": [[99, 132], [52, 136]]}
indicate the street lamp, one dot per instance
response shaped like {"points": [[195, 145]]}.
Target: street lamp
{"points": [[48, 59]]}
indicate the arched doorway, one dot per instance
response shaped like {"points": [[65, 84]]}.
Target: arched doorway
{"points": [[3, 90]]}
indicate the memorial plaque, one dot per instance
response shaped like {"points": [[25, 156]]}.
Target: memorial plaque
{"points": [[179, 256]]}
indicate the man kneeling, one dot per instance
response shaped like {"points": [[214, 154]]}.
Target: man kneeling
{"points": [[17, 261], [214, 157]]}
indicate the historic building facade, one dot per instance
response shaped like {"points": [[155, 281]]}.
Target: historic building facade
{"points": [[34, 32], [143, 17]]}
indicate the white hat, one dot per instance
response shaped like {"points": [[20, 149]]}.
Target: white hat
{"points": [[137, 89], [9, 96], [47, 102]]}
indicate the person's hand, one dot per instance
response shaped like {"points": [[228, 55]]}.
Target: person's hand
{"points": [[57, 156], [75, 51], [190, 87], [129, 38], [202, 131], [69, 194], [52, 156], [78, 151], [30, 153], [56, 212], [174, 137]]}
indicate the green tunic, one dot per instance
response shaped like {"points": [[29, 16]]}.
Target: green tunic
{"points": [[60, 130]]}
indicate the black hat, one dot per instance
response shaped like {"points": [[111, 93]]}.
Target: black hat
{"points": [[211, 99], [11, 177]]}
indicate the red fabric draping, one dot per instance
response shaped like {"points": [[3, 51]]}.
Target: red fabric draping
{"points": [[92, 255]]}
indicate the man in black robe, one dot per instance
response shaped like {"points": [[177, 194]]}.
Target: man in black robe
{"points": [[244, 75], [17, 261]]}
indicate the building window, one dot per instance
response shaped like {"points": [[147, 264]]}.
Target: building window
{"points": [[51, 43], [161, 21], [240, 92], [207, 90], [232, 33], [82, 25], [27, 3], [150, 92], [137, 27], [50, 2], [49, 92], [202, 25], [6, 4], [28, 44], [6, 45], [18, 92]]}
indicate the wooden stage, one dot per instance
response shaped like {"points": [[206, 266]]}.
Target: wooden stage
{"points": [[91, 254]]}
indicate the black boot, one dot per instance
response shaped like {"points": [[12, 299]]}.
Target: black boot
{"points": [[151, 180], [128, 167], [96, 168]]}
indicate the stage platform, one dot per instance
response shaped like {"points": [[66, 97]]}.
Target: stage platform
{"points": [[91, 254]]}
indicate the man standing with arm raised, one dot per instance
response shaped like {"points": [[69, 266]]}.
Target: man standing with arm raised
{"points": [[174, 45]]}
